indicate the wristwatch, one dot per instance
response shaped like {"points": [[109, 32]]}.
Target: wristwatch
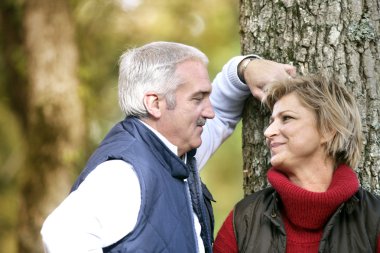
{"points": [[244, 64]]}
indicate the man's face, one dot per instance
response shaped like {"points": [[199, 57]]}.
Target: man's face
{"points": [[183, 125]]}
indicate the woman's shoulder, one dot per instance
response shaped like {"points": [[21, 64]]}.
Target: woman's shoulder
{"points": [[368, 199], [257, 199]]}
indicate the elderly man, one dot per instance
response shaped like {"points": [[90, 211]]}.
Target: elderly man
{"points": [[141, 191]]}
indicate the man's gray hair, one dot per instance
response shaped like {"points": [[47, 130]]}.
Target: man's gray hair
{"points": [[152, 68]]}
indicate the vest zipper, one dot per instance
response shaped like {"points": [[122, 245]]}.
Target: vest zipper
{"points": [[190, 207], [203, 214]]}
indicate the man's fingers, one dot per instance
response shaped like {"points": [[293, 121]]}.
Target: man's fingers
{"points": [[291, 70], [263, 72]]}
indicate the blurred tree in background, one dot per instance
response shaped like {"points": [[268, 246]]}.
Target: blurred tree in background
{"points": [[54, 119], [58, 94]]}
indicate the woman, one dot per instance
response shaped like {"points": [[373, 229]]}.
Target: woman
{"points": [[315, 203]]}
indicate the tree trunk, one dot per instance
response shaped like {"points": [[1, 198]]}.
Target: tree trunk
{"points": [[340, 37], [54, 116]]}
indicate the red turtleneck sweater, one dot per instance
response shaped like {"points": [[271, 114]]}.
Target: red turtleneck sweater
{"points": [[304, 213]]}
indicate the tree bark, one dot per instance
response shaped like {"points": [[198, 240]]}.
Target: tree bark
{"points": [[54, 116], [338, 37]]}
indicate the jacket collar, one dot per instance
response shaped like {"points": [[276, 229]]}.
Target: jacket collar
{"points": [[172, 163]]}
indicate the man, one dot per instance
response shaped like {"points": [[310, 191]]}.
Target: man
{"points": [[140, 191]]}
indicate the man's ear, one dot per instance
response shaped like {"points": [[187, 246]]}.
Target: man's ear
{"points": [[152, 104]]}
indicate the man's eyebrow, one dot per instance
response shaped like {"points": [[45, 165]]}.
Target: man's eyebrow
{"points": [[202, 92]]}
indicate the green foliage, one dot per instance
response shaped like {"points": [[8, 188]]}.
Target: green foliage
{"points": [[224, 177], [12, 154]]}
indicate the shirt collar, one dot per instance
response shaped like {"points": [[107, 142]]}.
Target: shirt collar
{"points": [[167, 143]]}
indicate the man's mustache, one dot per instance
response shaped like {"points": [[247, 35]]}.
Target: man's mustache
{"points": [[201, 122]]}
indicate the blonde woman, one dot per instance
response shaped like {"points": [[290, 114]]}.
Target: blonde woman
{"points": [[315, 203]]}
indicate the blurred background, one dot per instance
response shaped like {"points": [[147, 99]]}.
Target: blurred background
{"points": [[103, 30]]}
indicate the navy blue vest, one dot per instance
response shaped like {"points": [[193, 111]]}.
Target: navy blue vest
{"points": [[165, 221]]}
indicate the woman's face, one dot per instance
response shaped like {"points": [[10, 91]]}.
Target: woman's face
{"points": [[292, 136]]}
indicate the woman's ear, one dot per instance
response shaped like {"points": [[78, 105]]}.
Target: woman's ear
{"points": [[152, 104], [328, 136]]}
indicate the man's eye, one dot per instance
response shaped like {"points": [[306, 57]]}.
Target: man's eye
{"points": [[197, 99]]}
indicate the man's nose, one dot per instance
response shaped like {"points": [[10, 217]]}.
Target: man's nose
{"points": [[208, 111]]}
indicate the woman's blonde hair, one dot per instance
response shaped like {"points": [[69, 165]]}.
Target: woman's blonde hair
{"points": [[336, 112]]}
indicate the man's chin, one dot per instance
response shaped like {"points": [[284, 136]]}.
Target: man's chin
{"points": [[198, 143]]}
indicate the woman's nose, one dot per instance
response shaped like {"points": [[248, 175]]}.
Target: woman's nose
{"points": [[271, 130]]}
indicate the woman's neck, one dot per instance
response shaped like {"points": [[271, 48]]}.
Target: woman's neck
{"points": [[313, 177], [310, 209]]}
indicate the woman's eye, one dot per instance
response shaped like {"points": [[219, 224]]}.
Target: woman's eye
{"points": [[286, 117]]}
